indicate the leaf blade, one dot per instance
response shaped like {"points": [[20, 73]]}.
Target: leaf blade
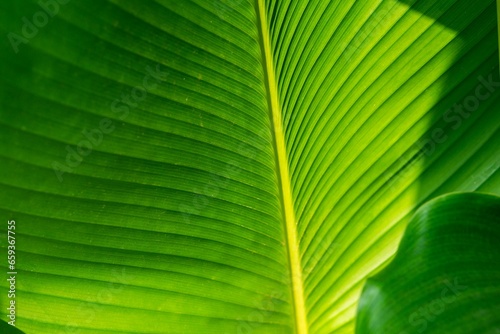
{"points": [[444, 273]]}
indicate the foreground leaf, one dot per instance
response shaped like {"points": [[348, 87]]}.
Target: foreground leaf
{"points": [[444, 278], [5, 328]]}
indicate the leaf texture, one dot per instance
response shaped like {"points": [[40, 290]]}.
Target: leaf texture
{"points": [[154, 154], [444, 278]]}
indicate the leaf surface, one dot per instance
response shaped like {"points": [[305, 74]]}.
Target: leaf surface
{"points": [[231, 166], [444, 278]]}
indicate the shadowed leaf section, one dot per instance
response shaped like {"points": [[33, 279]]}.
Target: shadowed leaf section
{"points": [[444, 278]]}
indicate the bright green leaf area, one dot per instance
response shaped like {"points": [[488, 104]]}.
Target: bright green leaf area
{"points": [[444, 278], [231, 166]]}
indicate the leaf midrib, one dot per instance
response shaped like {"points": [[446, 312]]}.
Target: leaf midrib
{"points": [[278, 135]]}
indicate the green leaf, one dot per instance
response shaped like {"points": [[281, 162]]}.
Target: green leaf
{"points": [[232, 166], [498, 10], [8, 329], [444, 278]]}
